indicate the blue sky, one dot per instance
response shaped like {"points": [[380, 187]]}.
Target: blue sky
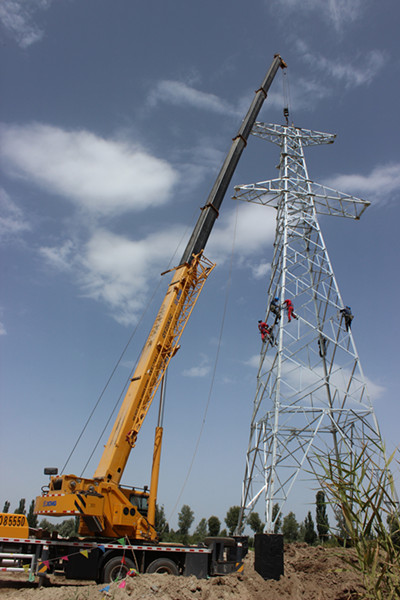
{"points": [[115, 119]]}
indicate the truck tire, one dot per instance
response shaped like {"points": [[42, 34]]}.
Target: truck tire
{"points": [[163, 565], [114, 569]]}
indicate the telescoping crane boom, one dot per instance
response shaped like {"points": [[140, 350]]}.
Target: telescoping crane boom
{"points": [[105, 507]]}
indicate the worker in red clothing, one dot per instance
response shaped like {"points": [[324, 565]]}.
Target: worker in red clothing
{"points": [[263, 329], [290, 310], [266, 332]]}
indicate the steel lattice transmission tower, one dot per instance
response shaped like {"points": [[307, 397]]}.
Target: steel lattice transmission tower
{"points": [[311, 399]]}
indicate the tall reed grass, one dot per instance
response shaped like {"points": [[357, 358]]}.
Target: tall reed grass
{"points": [[363, 492]]}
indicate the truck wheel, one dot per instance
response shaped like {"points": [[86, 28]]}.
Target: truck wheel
{"points": [[163, 565], [114, 569]]}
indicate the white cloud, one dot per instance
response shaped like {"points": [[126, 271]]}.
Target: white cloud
{"points": [[181, 94], [17, 18], [100, 175], [12, 221], [251, 230], [196, 372], [304, 94], [338, 13], [382, 184], [301, 378], [352, 72], [117, 271], [261, 270], [200, 370], [60, 258]]}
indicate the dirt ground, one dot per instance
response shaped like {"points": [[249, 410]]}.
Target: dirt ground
{"points": [[311, 573]]}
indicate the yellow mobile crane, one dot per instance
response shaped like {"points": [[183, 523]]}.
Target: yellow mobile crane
{"points": [[106, 508], [108, 511]]}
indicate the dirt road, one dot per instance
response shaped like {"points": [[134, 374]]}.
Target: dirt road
{"points": [[311, 573]]}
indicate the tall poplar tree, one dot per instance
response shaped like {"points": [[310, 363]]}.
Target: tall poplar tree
{"points": [[321, 516]]}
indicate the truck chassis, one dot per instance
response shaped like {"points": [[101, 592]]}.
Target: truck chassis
{"points": [[102, 561]]}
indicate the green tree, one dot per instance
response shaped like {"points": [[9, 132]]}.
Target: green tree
{"points": [[278, 522], [214, 526], [200, 532], [302, 532], [32, 518], [341, 526], [46, 525], [310, 535], [185, 519], [290, 528], [161, 524], [6, 506], [68, 528], [171, 536], [232, 518], [21, 508], [255, 522], [321, 516]]}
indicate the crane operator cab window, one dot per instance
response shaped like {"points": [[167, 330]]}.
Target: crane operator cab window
{"points": [[140, 501]]}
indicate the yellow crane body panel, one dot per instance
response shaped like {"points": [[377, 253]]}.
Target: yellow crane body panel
{"points": [[104, 508], [13, 525]]}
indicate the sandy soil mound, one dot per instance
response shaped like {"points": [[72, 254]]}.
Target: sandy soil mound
{"points": [[311, 573]]}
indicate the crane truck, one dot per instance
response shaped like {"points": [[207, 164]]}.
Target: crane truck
{"points": [[117, 523]]}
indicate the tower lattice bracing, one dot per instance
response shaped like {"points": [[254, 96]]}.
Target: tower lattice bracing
{"points": [[311, 399]]}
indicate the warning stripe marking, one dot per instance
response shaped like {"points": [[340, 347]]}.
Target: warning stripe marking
{"points": [[106, 545]]}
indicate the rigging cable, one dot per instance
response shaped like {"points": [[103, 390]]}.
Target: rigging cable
{"points": [[104, 390], [134, 366], [228, 286], [148, 304]]}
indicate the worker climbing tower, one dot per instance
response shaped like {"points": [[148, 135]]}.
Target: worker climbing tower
{"points": [[311, 399]]}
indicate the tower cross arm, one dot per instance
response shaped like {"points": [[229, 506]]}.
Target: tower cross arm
{"points": [[332, 202], [327, 201], [265, 192], [274, 132]]}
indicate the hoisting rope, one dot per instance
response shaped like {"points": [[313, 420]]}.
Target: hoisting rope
{"points": [[227, 292], [148, 304], [287, 104]]}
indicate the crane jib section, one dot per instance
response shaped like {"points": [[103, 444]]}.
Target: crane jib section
{"points": [[161, 345]]}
